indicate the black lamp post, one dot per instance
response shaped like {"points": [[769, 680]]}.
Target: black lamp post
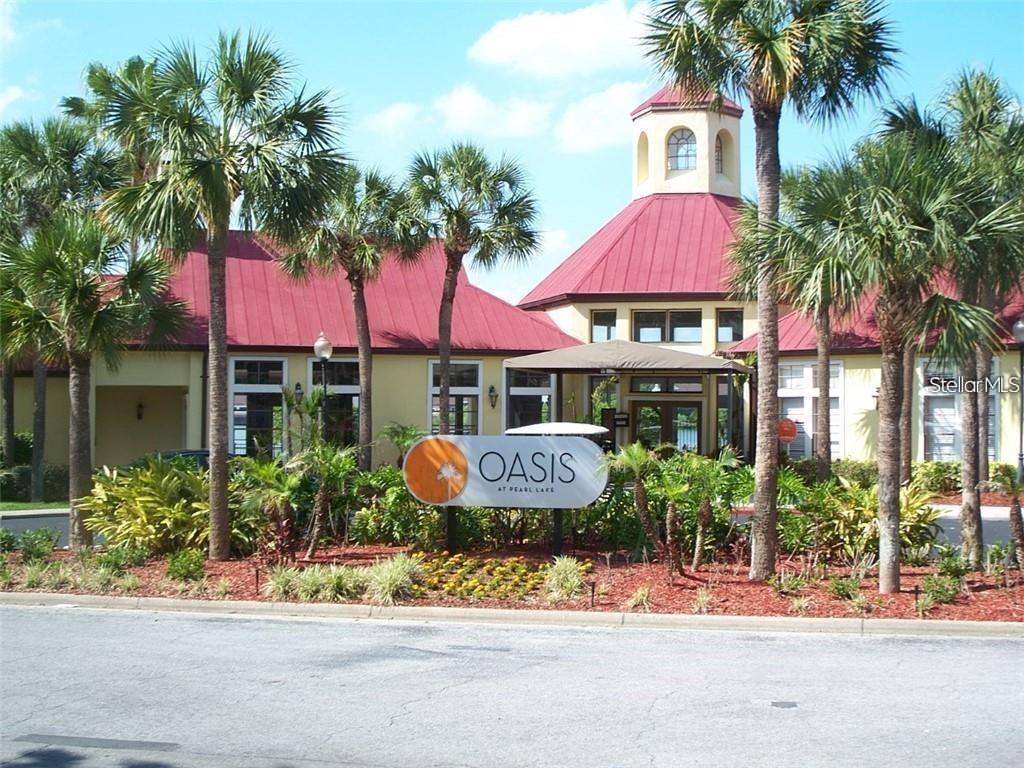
{"points": [[1018, 335], [322, 349]]}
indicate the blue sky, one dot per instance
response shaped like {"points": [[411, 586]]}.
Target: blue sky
{"points": [[549, 82]]}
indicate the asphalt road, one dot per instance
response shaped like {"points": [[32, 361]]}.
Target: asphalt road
{"points": [[82, 688]]}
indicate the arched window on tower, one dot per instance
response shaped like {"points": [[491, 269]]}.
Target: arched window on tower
{"points": [[718, 154], [682, 150]]}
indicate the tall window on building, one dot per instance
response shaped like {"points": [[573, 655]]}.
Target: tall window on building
{"points": [[718, 154], [798, 401], [341, 406], [940, 414], [682, 150], [257, 407], [463, 401], [602, 324], [682, 326], [530, 399], [730, 325]]}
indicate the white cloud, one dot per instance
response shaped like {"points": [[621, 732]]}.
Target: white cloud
{"points": [[7, 34], [464, 110], [595, 38], [8, 95], [600, 119], [395, 119]]}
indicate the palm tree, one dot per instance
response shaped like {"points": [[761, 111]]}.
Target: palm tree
{"points": [[982, 139], [905, 224], [332, 468], [231, 130], [816, 57], [639, 464], [72, 307], [802, 272], [57, 165], [402, 436], [367, 216], [477, 209]]}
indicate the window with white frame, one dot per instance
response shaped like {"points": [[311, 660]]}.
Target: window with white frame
{"points": [[463, 397], [798, 401], [941, 414], [530, 398], [341, 402], [257, 405]]}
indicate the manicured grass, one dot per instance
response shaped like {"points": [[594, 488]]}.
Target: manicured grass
{"points": [[18, 506]]}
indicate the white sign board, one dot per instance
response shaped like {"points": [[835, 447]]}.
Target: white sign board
{"points": [[513, 471]]}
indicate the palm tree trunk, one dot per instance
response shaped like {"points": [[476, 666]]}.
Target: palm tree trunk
{"points": [[444, 353], [365, 354], [319, 516], [890, 396], [984, 371], [970, 507], [763, 524], [1017, 531], [704, 518], [217, 383], [38, 427], [80, 448], [643, 511], [823, 448], [907, 415], [8, 395], [674, 560]]}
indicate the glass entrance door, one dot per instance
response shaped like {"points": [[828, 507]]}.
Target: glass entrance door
{"points": [[675, 423]]}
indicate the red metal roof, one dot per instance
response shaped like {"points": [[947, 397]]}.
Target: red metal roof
{"points": [[659, 246], [675, 97], [267, 309], [859, 333]]}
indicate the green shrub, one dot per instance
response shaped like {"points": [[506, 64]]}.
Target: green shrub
{"points": [[186, 565], [35, 574], [702, 601], [565, 579], [345, 583], [916, 557], [282, 582], [222, 588], [119, 559], [312, 583], [22, 449], [952, 563], [129, 582], [16, 483], [937, 476], [844, 588], [58, 576], [940, 588], [800, 605], [640, 600], [38, 544], [786, 583], [6, 575], [1001, 474], [389, 581], [102, 578], [863, 473], [162, 505], [8, 541]]}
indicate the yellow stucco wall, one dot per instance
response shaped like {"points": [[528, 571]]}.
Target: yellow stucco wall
{"points": [[574, 319], [57, 408], [120, 434]]}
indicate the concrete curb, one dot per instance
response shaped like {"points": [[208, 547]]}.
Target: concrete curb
{"points": [[246, 608]]}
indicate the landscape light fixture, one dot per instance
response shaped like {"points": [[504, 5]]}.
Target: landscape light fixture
{"points": [[1018, 335], [323, 349], [298, 392]]}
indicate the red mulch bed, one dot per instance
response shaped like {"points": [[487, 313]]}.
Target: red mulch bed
{"points": [[988, 597], [988, 499]]}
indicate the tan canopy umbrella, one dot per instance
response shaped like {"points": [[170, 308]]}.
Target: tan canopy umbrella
{"points": [[620, 355]]}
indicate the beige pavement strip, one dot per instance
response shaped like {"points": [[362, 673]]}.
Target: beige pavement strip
{"points": [[243, 608]]}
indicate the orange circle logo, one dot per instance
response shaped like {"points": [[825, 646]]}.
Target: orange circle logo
{"points": [[436, 470]]}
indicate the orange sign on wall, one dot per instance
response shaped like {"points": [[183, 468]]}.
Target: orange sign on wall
{"points": [[787, 430]]}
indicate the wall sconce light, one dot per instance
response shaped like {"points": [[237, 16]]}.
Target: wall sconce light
{"points": [[492, 395], [139, 411]]}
